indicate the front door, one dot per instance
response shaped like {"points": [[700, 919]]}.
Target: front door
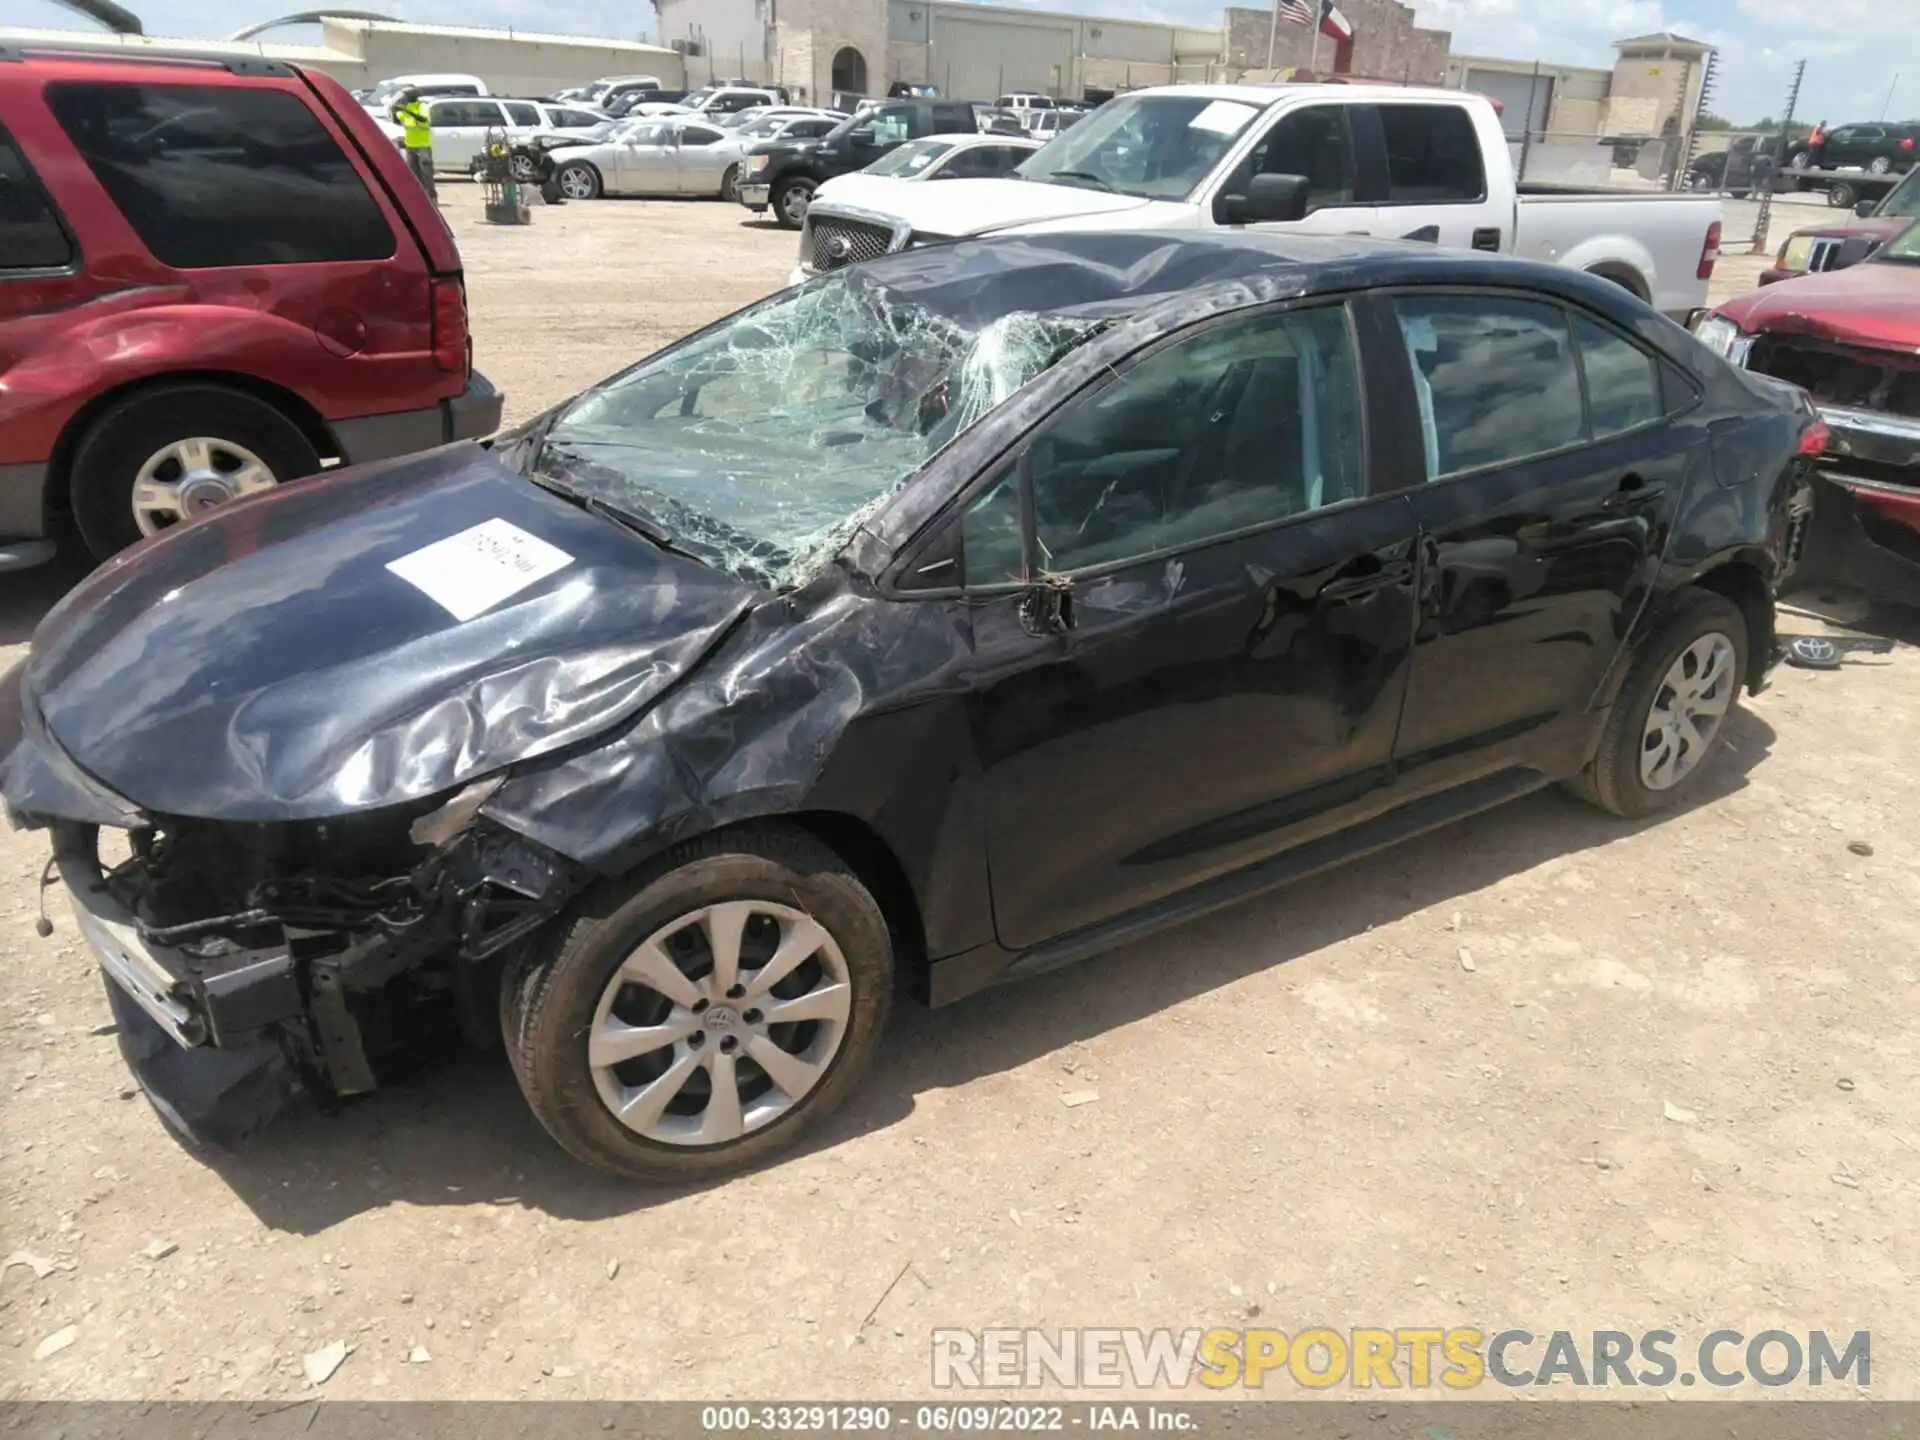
{"points": [[1316, 141], [1552, 480], [648, 163], [1217, 660]]}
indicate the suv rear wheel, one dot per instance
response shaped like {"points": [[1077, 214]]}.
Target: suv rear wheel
{"points": [[161, 457], [698, 1018]]}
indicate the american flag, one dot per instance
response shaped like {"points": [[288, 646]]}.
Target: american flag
{"points": [[1296, 12]]}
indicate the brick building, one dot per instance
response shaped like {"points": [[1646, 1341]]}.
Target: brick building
{"points": [[1386, 43]]}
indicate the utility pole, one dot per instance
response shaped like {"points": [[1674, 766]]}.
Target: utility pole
{"points": [[1779, 160], [1890, 89]]}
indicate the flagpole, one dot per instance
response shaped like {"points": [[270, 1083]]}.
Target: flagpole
{"points": [[1273, 33], [1314, 63]]}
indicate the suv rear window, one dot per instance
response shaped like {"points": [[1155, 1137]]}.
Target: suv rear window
{"points": [[31, 237], [219, 175]]}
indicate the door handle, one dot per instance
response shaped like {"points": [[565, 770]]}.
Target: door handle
{"points": [[1634, 490], [1488, 239], [1364, 577]]}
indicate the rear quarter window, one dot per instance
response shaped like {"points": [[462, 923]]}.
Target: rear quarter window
{"points": [[31, 235], [211, 176]]}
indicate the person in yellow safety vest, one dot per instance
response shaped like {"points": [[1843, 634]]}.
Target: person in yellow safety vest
{"points": [[411, 116]]}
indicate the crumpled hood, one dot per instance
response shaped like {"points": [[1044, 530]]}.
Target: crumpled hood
{"points": [[1876, 305], [982, 207], [298, 656]]}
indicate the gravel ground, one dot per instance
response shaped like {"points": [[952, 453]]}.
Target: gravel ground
{"points": [[1544, 1070]]}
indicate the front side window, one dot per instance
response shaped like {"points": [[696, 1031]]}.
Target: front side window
{"points": [[221, 175], [521, 113], [1251, 422], [1433, 155], [761, 444], [31, 236], [1155, 146], [1312, 142], [1495, 377], [882, 127]]}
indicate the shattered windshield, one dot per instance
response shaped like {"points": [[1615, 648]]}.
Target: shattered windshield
{"points": [[911, 158], [761, 445], [1157, 147], [1903, 202]]}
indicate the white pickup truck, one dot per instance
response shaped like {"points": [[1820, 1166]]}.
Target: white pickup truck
{"points": [[1386, 161]]}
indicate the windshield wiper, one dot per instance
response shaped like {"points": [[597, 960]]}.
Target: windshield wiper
{"points": [[641, 524], [1079, 175]]}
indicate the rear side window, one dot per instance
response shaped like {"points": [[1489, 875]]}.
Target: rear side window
{"points": [[31, 236], [210, 176], [1623, 381], [1495, 377], [1433, 155], [465, 112]]}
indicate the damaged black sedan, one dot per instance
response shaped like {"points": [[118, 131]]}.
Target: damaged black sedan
{"points": [[939, 622]]}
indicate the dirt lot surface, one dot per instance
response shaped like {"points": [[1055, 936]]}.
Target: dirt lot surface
{"points": [[1544, 1070]]}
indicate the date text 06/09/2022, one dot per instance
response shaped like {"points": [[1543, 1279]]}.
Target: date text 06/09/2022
{"points": [[944, 1419]]}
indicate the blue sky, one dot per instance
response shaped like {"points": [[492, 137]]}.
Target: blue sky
{"points": [[1854, 52]]}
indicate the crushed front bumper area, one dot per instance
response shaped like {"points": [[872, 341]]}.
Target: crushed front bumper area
{"points": [[316, 985]]}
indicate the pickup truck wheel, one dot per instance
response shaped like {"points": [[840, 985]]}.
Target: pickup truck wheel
{"points": [[730, 184], [699, 1017], [1841, 196], [578, 181], [159, 458], [1661, 733], [790, 201]]}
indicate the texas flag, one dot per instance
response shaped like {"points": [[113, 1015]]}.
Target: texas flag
{"points": [[1333, 23]]}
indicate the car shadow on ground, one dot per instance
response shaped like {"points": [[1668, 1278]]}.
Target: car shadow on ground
{"points": [[463, 1134]]}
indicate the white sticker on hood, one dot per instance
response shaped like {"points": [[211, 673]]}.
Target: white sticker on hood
{"points": [[1223, 117], [470, 573]]}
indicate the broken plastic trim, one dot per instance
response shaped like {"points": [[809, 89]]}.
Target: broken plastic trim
{"points": [[762, 445]]}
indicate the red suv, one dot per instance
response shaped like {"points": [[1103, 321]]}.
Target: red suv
{"points": [[215, 275]]}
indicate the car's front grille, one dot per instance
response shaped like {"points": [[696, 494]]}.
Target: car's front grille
{"points": [[830, 242], [1836, 375]]}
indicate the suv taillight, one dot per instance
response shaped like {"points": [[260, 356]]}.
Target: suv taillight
{"points": [[1907, 143], [450, 343], [1709, 252]]}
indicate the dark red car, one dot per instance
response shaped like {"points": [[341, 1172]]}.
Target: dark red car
{"points": [[1819, 248], [1851, 339], [215, 275]]}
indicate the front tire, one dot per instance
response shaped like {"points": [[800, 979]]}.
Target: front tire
{"points": [[647, 1031], [1880, 165], [158, 458], [578, 181], [730, 185], [790, 201], [1661, 735]]}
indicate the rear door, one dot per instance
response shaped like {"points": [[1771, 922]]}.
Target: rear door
{"points": [[698, 164], [1551, 475], [1425, 168], [231, 187], [1316, 141], [460, 130], [1223, 669]]}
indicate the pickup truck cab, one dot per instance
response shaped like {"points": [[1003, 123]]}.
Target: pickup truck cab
{"points": [[215, 275], [783, 174], [1389, 162]]}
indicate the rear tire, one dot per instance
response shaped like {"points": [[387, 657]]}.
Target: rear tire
{"points": [[1695, 625], [127, 434], [730, 185], [575, 990], [1880, 165]]}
